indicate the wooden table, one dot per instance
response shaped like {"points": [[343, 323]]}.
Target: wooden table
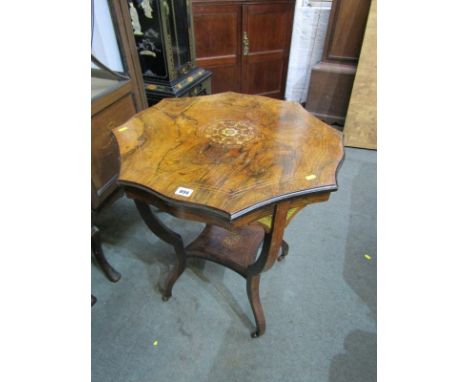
{"points": [[242, 164]]}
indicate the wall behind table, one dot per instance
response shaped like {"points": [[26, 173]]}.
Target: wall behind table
{"points": [[360, 129], [308, 37]]}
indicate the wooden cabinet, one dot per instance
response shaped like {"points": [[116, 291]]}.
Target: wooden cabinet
{"points": [[114, 99], [332, 79], [163, 36], [218, 31], [245, 44], [108, 111], [117, 93]]}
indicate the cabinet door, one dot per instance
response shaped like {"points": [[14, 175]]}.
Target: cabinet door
{"points": [[266, 28], [217, 31]]}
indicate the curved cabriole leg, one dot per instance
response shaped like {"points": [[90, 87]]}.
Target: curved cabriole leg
{"points": [[170, 237], [110, 272], [272, 243], [284, 250], [253, 291]]}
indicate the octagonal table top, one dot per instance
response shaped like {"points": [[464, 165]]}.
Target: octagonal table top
{"points": [[229, 152]]}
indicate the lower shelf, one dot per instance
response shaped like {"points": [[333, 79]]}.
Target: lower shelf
{"points": [[235, 249]]}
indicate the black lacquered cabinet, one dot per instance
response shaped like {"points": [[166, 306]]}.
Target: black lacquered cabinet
{"points": [[163, 31]]}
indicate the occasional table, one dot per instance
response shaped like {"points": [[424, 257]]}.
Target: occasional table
{"points": [[242, 164]]}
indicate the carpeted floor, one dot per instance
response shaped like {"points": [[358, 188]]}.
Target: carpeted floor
{"points": [[320, 303]]}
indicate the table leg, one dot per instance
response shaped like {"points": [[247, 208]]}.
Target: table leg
{"points": [[96, 247], [272, 243], [284, 250], [212, 245], [253, 292], [170, 237]]}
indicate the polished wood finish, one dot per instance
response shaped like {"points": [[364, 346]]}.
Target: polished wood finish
{"points": [[195, 213], [332, 79], [236, 248], [105, 99], [264, 67], [218, 46], [346, 30], [240, 158], [236, 152], [330, 90], [104, 149], [222, 27], [271, 246]]}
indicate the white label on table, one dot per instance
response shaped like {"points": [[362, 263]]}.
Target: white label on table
{"points": [[182, 191]]}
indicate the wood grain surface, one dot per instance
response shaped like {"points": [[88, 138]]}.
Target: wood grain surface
{"points": [[236, 152], [235, 249], [360, 129]]}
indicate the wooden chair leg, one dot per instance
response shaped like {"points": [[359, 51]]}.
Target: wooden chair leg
{"points": [[108, 270]]}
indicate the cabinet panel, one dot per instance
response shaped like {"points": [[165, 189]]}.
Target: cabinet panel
{"points": [[263, 78], [217, 29], [329, 96], [225, 78], [268, 30], [104, 150], [346, 30], [268, 26], [331, 80]]}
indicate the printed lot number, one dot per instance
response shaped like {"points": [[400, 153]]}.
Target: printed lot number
{"points": [[182, 191]]}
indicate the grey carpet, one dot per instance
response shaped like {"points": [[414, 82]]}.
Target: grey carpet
{"points": [[320, 303]]}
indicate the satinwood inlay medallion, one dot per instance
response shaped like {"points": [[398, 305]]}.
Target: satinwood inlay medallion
{"points": [[230, 132], [233, 239]]}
